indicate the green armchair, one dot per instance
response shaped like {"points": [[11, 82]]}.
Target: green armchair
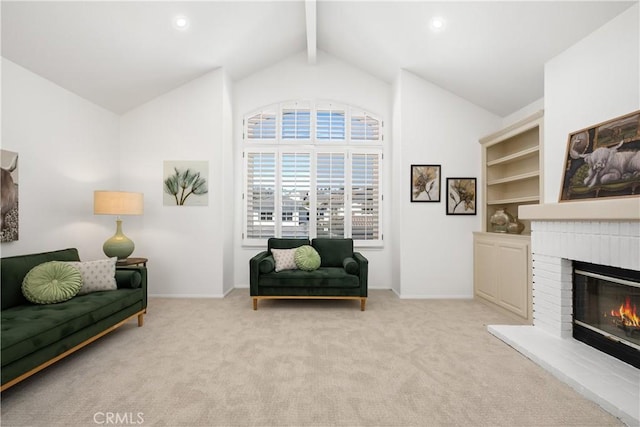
{"points": [[342, 273]]}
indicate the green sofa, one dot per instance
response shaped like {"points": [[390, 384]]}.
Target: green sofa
{"points": [[34, 336], [342, 273]]}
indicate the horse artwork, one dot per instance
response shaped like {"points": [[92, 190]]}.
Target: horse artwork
{"points": [[9, 194], [603, 160]]}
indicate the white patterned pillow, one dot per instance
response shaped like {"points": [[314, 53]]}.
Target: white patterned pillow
{"points": [[285, 259], [97, 275]]}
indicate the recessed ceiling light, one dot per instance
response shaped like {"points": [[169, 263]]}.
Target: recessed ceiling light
{"points": [[181, 22], [437, 23]]}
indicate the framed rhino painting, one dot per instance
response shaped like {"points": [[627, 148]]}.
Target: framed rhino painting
{"points": [[603, 160], [9, 192]]}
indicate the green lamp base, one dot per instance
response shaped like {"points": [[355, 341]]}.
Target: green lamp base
{"points": [[119, 245]]}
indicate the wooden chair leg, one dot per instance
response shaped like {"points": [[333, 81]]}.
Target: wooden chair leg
{"points": [[363, 302], [255, 303], [140, 319]]}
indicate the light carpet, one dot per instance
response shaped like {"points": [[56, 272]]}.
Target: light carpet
{"points": [[216, 362]]}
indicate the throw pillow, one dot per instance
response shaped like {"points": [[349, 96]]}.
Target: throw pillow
{"points": [[97, 275], [350, 265], [285, 259], [267, 265], [307, 258], [51, 282]]}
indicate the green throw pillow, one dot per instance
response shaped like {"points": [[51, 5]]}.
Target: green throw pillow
{"points": [[51, 282], [307, 258]]}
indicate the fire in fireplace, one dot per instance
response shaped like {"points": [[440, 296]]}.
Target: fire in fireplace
{"points": [[605, 310]]}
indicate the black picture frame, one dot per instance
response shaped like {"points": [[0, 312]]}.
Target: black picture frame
{"points": [[462, 196], [425, 183]]}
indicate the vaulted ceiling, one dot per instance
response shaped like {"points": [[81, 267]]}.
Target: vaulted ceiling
{"points": [[122, 54]]}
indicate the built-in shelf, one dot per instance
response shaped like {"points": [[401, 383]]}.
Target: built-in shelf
{"points": [[511, 178], [533, 151], [520, 177], [530, 199]]}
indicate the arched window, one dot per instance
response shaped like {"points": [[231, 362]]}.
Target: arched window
{"points": [[312, 169]]}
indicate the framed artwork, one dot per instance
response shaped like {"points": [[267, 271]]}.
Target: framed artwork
{"points": [[603, 160], [9, 221], [185, 183], [461, 196], [425, 183]]}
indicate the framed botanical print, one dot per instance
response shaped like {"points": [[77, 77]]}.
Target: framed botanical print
{"points": [[425, 183], [461, 196]]}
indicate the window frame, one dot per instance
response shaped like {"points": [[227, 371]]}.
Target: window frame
{"points": [[313, 146]]}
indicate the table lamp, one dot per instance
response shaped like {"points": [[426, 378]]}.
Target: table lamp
{"points": [[118, 203]]}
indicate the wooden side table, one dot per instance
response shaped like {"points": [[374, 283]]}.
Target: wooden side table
{"points": [[132, 261]]}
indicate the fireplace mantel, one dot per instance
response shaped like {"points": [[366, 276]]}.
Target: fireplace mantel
{"points": [[623, 209]]}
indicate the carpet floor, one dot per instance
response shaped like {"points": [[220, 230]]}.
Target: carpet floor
{"points": [[216, 362]]}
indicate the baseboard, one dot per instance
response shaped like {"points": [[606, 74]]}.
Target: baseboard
{"points": [[423, 296], [210, 296]]}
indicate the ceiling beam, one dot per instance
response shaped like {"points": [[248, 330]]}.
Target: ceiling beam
{"points": [[312, 23]]}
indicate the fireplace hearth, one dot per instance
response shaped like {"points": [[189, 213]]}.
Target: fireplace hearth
{"points": [[605, 301]]}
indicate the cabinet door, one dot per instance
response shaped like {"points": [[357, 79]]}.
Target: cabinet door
{"points": [[484, 270], [513, 277]]}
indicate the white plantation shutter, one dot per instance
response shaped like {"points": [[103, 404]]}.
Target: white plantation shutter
{"points": [[313, 169], [296, 121], [365, 196], [295, 183], [330, 193], [330, 123], [365, 127], [260, 195], [261, 125]]}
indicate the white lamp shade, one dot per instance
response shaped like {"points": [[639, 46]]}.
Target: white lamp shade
{"points": [[118, 203]]}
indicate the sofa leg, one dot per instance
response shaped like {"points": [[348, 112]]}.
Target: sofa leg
{"points": [[363, 302], [140, 319], [255, 303]]}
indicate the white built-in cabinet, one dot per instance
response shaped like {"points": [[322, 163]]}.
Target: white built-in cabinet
{"points": [[511, 177]]}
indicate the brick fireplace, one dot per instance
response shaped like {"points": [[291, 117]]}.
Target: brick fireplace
{"points": [[603, 232]]}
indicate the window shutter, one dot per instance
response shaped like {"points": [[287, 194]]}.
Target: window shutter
{"points": [[296, 122], [260, 193], [330, 123], [365, 127], [261, 125], [330, 186], [295, 176], [365, 196]]}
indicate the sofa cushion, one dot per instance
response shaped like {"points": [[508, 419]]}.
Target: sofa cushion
{"points": [[350, 265], [13, 269], [285, 259], [279, 243], [28, 328], [333, 251], [99, 275], [51, 282], [325, 277], [267, 264], [307, 258]]}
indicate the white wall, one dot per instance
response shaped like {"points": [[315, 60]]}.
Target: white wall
{"points": [[329, 79], [595, 80], [440, 128], [66, 151], [184, 245]]}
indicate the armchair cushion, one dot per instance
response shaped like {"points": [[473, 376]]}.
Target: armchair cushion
{"points": [[350, 265], [333, 251], [267, 264], [285, 259], [307, 258]]}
